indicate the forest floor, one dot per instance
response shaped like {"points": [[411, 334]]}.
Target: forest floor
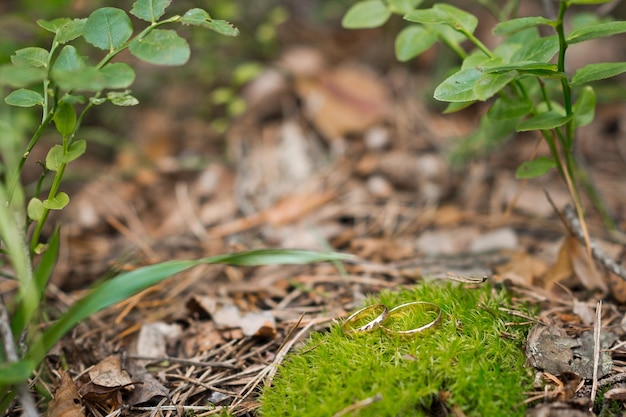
{"points": [[333, 152]]}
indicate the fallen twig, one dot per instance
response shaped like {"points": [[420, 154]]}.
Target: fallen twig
{"points": [[571, 222], [596, 251], [596, 350]]}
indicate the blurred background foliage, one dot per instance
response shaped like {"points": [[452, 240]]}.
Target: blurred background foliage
{"points": [[219, 65]]}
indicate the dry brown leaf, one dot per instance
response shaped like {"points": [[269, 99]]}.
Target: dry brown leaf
{"points": [[110, 397], [347, 99], [227, 316], [522, 269], [585, 268], [109, 373], [66, 402], [561, 269], [618, 287], [108, 380], [200, 337], [572, 259], [148, 387]]}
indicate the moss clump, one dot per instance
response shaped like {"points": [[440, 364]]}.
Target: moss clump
{"points": [[465, 362]]}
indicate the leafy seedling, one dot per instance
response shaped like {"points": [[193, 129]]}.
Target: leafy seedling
{"points": [[524, 79]]}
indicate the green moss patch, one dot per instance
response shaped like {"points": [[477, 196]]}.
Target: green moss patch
{"points": [[473, 360]]}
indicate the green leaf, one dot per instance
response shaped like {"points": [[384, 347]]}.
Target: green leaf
{"points": [[595, 72], [53, 25], [118, 75], [584, 108], [199, 17], [195, 17], [412, 41], [222, 27], [150, 10], [75, 150], [508, 108], [542, 121], [123, 99], [68, 60], [446, 14], [65, 119], [108, 28], [589, 1], [16, 372], [366, 14], [30, 57], [24, 98], [457, 106], [35, 209], [600, 30], [71, 30], [529, 68], [540, 50], [477, 59], [127, 284], [58, 202], [87, 78], [459, 86], [515, 25], [54, 158], [17, 77], [535, 168], [523, 67], [490, 84], [402, 6], [70, 72], [96, 101], [161, 47], [74, 99]]}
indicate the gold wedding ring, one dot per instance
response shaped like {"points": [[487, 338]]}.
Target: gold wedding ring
{"points": [[354, 324], [405, 315]]}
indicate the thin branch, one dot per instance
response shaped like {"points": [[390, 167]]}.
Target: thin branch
{"points": [[571, 222], [596, 350]]}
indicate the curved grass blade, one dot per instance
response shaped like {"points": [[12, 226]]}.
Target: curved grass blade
{"points": [[130, 283]]}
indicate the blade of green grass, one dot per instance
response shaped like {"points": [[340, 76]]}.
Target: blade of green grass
{"points": [[127, 284], [41, 275]]}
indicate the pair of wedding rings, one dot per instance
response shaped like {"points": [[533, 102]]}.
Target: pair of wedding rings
{"points": [[371, 318]]}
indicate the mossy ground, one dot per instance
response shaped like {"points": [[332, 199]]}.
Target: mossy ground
{"points": [[473, 360]]}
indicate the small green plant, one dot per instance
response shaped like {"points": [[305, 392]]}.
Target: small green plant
{"points": [[465, 362], [527, 91], [66, 86]]}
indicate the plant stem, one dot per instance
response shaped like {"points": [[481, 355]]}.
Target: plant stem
{"points": [[33, 141], [567, 91], [478, 43]]}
